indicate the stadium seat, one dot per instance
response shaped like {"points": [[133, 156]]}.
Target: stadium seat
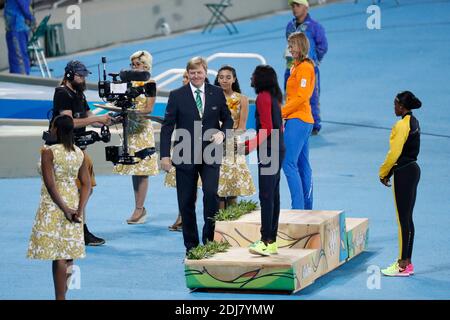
{"points": [[218, 15], [36, 51]]}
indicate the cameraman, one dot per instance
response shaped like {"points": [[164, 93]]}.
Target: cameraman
{"points": [[69, 99]]}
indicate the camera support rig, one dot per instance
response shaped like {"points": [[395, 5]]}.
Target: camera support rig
{"points": [[122, 93], [120, 153]]}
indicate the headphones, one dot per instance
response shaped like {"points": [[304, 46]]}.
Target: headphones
{"points": [[70, 74]]}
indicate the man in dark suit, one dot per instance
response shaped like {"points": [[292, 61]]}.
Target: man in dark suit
{"points": [[200, 114]]}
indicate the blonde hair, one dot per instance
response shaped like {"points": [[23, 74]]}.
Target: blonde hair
{"points": [[144, 57], [197, 62], [302, 42], [185, 77]]}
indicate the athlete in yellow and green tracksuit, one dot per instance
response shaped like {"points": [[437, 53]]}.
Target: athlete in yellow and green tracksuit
{"points": [[401, 163]]}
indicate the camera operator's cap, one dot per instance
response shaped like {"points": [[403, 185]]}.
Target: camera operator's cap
{"points": [[77, 67], [303, 2]]}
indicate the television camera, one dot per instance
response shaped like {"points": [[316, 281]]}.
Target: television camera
{"points": [[121, 94]]}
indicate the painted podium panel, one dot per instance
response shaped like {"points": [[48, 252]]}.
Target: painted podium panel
{"points": [[289, 270], [357, 235], [297, 229]]}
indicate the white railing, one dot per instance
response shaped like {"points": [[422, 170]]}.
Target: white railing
{"points": [[236, 55], [176, 74]]}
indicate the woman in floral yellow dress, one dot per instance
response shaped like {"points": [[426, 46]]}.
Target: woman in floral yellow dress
{"points": [[235, 178], [140, 137], [57, 232]]}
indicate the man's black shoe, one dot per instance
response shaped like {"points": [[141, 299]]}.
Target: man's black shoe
{"points": [[90, 239]]}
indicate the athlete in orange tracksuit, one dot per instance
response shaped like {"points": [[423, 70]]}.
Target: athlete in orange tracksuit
{"points": [[299, 123]]}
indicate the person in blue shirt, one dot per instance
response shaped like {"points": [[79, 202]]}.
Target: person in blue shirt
{"points": [[18, 19], [302, 22]]}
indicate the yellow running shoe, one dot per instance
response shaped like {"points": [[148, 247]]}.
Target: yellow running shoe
{"points": [[394, 270], [272, 248], [259, 247]]}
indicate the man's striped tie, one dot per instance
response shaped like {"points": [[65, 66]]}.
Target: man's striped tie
{"points": [[198, 101]]}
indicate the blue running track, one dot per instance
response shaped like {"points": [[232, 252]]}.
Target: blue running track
{"points": [[361, 75]]}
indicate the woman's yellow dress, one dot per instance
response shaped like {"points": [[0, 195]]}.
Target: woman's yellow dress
{"points": [[235, 178], [140, 137], [53, 237]]}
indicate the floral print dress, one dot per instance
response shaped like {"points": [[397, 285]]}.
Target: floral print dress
{"points": [[235, 178], [140, 136], [53, 237]]}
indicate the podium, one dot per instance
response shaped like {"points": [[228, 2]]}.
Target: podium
{"points": [[311, 244]]}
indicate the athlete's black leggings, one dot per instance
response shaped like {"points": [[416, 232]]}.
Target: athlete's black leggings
{"points": [[406, 180]]}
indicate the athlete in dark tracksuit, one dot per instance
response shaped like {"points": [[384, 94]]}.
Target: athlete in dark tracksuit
{"points": [[401, 163], [269, 143]]}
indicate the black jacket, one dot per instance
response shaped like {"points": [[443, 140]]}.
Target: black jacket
{"points": [[182, 113]]}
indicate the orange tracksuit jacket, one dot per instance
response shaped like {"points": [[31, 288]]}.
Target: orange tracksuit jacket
{"points": [[299, 89]]}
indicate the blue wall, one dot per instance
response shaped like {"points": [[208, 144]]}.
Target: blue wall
{"points": [[38, 109]]}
